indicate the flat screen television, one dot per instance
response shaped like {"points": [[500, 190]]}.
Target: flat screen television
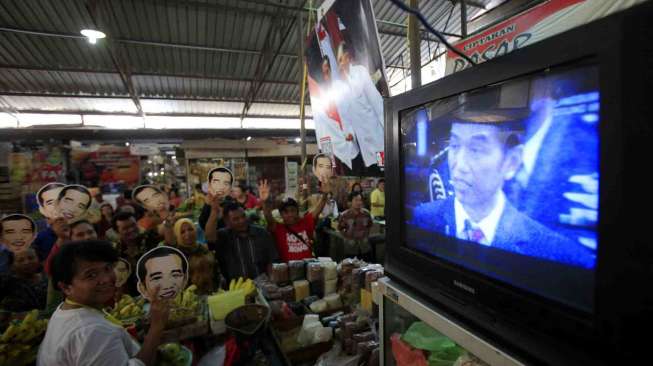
{"points": [[515, 190]]}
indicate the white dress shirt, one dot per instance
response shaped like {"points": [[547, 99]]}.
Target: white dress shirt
{"points": [[488, 225]]}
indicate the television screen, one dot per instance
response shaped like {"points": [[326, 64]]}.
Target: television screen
{"points": [[504, 181]]}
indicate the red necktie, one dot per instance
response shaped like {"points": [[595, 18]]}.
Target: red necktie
{"points": [[474, 233]]}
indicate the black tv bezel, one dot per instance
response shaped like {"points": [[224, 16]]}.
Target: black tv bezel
{"points": [[535, 328]]}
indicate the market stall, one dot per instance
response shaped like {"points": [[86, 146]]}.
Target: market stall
{"points": [[298, 313]]}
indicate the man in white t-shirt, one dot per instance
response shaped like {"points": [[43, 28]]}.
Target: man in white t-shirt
{"points": [[79, 332]]}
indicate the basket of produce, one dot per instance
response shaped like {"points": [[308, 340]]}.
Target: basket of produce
{"points": [[19, 343], [246, 320], [174, 354]]}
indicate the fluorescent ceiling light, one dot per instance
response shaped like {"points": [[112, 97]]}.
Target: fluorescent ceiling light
{"points": [[8, 121], [92, 35], [192, 122], [114, 122], [276, 123], [38, 119]]}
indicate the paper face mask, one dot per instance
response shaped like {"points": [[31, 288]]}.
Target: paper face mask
{"points": [[163, 267], [322, 167], [72, 202], [122, 269], [18, 232], [220, 181], [151, 198], [47, 199]]}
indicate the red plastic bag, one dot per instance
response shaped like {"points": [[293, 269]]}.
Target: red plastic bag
{"points": [[404, 354], [233, 352]]}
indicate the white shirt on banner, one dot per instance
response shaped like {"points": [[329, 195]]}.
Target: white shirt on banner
{"points": [[337, 132], [363, 106]]}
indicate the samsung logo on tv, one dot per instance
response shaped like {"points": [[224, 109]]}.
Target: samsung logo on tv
{"points": [[464, 287]]}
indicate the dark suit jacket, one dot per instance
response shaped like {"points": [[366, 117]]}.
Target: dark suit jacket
{"points": [[570, 147], [516, 233]]}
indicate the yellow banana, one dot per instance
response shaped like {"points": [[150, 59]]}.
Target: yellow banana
{"points": [[31, 317], [9, 333], [239, 283], [232, 284], [126, 310]]}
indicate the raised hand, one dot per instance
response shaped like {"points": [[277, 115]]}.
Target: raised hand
{"points": [[159, 308], [325, 187], [264, 190], [214, 200]]}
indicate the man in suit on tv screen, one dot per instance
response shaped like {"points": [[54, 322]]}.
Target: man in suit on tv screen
{"points": [[485, 151]]}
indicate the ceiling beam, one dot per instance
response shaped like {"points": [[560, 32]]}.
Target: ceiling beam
{"points": [[276, 37], [119, 61], [68, 133], [137, 73], [184, 98], [99, 113], [140, 42]]}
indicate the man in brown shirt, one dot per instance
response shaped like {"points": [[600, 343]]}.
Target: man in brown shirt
{"points": [[355, 224]]}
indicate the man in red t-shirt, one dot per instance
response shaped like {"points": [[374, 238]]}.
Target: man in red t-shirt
{"points": [[294, 236]]}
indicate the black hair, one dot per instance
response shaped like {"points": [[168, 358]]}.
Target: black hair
{"points": [[223, 170], [77, 188], [17, 217], [64, 263], [139, 189], [288, 202], [121, 216], [317, 156], [380, 181], [79, 222], [45, 188], [127, 194], [356, 184], [198, 186], [158, 252], [353, 195], [230, 206]]}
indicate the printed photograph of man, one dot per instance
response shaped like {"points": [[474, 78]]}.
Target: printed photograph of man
{"points": [[362, 105], [322, 167], [47, 199], [151, 198], [347, 82], [220, 181], [17, 232], [162, 266], [73, 201], [485, 151]]}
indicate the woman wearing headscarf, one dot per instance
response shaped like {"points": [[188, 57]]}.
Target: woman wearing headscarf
{"points": [[203, 270]]}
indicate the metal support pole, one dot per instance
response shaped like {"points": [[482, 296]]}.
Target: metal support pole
{"points": [[302, 83], [415, 48], [463, 18]]}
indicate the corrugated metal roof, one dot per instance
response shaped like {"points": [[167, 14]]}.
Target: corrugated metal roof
{"points": [[185, 49]]}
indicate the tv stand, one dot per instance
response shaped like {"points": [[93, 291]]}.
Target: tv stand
{"points": [[399, 306]]}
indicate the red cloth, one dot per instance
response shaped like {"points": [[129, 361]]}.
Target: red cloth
{"points": [[289, 246], [252, 201], [46, 267]]}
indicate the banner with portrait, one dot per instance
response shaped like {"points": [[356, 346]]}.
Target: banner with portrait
{"points": [[347, 83]]}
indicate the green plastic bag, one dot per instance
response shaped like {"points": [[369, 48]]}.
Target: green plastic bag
{"points": [[446, 357], [421, 336]]}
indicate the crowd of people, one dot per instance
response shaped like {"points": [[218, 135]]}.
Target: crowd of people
{"points": [[227, 232]]}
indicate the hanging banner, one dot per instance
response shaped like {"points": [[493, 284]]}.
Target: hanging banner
{"points": [[347, 82], [106, 165], [538, 23]]}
